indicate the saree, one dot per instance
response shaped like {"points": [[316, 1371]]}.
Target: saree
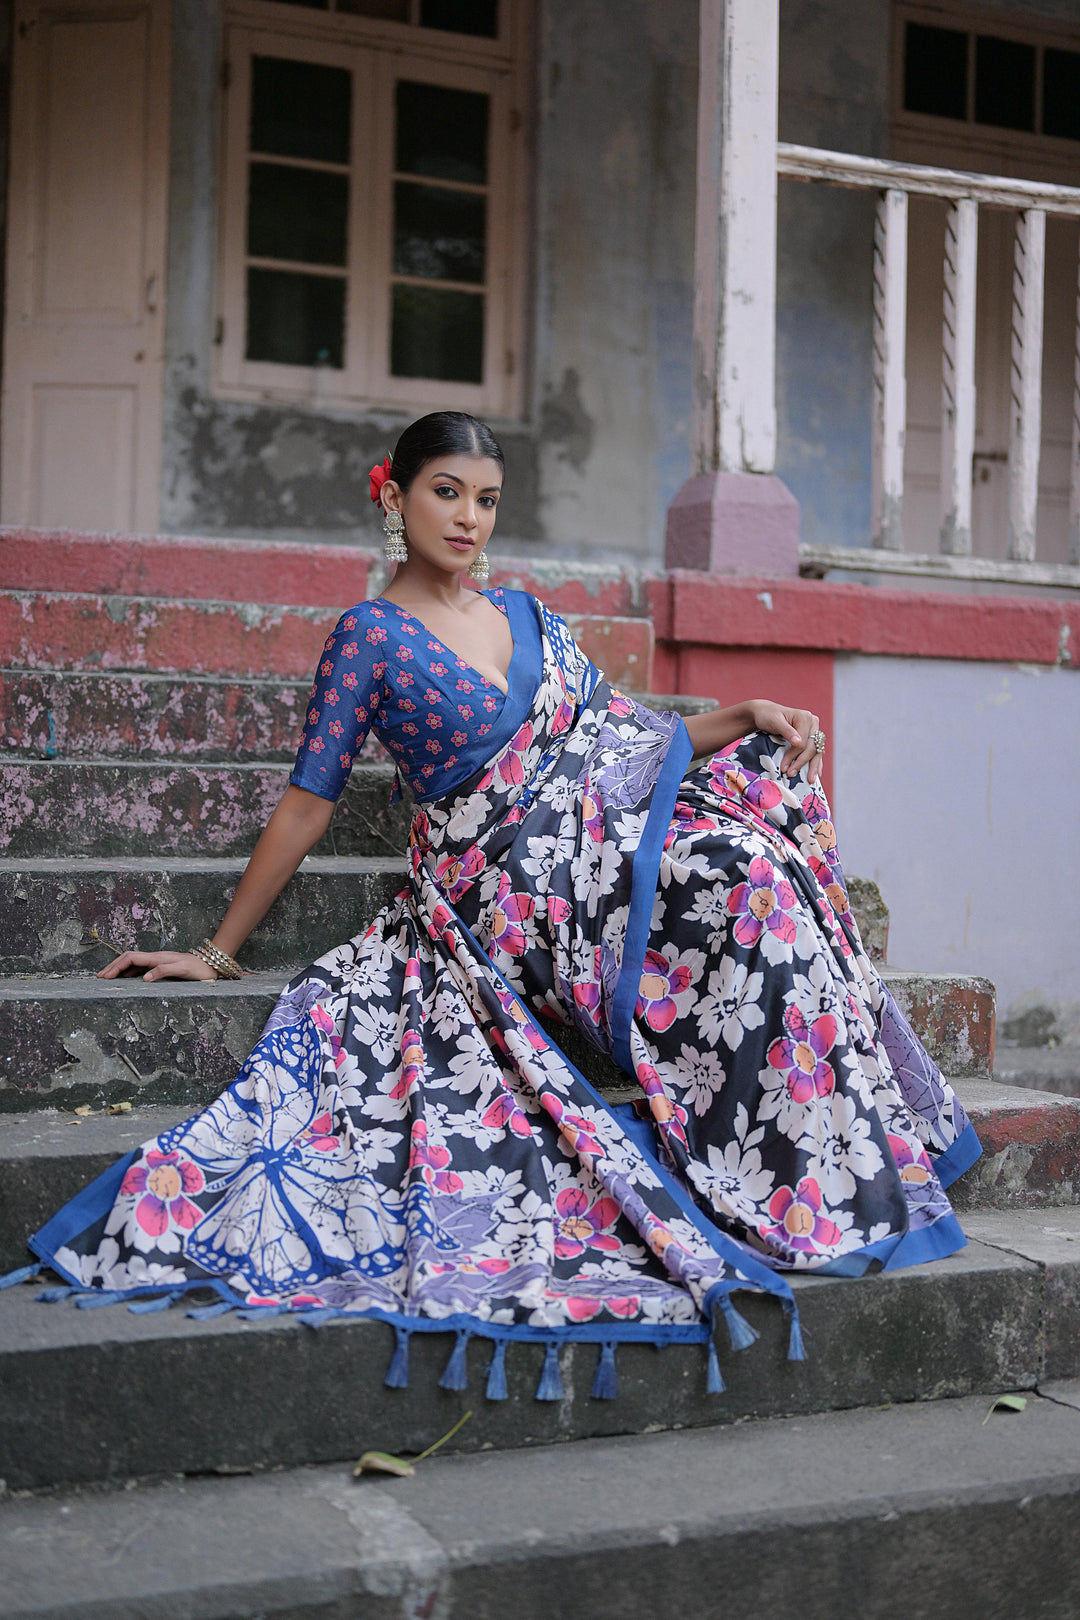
{"points": [[407, 1140]]}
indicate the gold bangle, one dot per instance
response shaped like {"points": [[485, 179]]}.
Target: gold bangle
{"points": [[219, 960]]}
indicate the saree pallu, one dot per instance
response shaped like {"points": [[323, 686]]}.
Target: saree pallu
{"points": [[407, 1140]]}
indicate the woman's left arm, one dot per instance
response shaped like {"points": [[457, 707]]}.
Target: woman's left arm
{"points": [[713, 731]]}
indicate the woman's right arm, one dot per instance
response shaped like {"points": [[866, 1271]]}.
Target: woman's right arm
{"points": [[295, 827]]}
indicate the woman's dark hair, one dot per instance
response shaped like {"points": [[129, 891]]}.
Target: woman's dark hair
{"points": [[443, 433]]}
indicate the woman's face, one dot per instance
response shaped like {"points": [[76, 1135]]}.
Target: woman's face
{"points": [[449, 510]]}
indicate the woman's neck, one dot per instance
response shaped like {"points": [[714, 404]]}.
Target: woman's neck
{"points": [[417, 581]]}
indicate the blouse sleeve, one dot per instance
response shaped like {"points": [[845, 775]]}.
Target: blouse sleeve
{"points": [[345, 697]]}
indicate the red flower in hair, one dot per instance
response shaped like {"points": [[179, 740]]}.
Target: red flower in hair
{"points": [[377, 478]]}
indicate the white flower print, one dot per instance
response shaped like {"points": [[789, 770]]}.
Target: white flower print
{"points": [[729, 1007], [841, 1152], [377, 1028], [710, 910], [736, 1178], [700, 1074]]}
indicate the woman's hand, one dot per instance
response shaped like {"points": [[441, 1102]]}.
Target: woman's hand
{"points": [[795, 726], [162, 965]]}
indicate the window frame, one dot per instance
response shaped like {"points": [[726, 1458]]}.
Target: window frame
{"points": [[1020, 152], [378, 54]]}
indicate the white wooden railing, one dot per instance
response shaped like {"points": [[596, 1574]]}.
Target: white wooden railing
{"points": [[966, 194]]}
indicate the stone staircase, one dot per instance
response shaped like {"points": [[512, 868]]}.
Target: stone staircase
{"points": [[148, 715]]}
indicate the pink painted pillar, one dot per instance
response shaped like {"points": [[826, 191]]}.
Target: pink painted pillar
{"points": [[734, 516]]}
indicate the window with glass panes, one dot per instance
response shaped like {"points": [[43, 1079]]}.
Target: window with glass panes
{"points": [[371, 220]]}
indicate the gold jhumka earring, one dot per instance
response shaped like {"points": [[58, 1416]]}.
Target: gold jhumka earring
{"points": [[479, 568], [395, 550]]}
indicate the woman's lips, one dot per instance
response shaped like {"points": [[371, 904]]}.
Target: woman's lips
{"points": [[460, 545]]}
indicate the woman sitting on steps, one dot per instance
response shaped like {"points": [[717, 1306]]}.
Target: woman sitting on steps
{"points": [[407, 1140]]}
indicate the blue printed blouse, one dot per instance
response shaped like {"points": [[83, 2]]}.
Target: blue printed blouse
{"points": [[440, 719]]}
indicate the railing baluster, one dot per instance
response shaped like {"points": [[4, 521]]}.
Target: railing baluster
{"points": [[958, 376], [1025, 424], [890, 380], [1074, 472]]}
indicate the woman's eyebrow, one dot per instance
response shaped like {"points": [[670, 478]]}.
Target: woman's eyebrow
{"points": [[491, 489]]}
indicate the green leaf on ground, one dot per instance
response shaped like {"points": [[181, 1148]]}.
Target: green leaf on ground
{"points": [[384, 1462], [1006, 1403]]}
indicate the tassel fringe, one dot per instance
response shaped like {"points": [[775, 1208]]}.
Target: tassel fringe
{"points": [[714, 1379], [397, 1374], [23, 1274], [496, 1379], [741, 1334], [606, 1383], [796, 1349], [51, 1296], [456, 1372], [159, 1302], [550, 1387], [206, 1313]]}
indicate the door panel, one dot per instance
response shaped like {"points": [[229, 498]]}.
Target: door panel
{"points": [[84, 334]]}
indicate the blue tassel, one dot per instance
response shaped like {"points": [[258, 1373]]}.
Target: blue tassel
{"points": [[160, 1302], [91, 1302], [206, 1313], [796, 1350], [50, 1296], [550, 1387], [397, 1374], [496, 1379], [456, 1372], [741, 1334], [256, 1313], [714, 1381], [605, 1386], [23, 1274], [317, 1315]]}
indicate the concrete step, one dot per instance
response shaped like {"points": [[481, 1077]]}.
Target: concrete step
{"points": [[1031, 1156], [51, 630], [80, 1039], [121, 808], [304, 573], [901, 1514], [108, 1394], [60, 912], [1042, 1068]]}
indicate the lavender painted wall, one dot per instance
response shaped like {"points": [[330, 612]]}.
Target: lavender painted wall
{"points": [[956, 790]]}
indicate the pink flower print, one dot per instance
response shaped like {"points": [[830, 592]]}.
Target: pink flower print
{"points": [[464, 711], [361, 714], [582, 1308], [431, 696], [410, 630], [324, 1021], [376, 613], [580, 1225], [319, 1135], [491, 704], [407, 704], [434, 721], [432, 1161], [558, 909], [379, 670], [660, 984], [345, 761], [457, 873], [465, 686], [797, 1219], [434, 646], [800, 1055], [505, 1111], [350, 622], [620, 706], [326, 667], [336, 729], [349, 650], [587, 991], [912, 1162], [165, 1180], [459, 739], [760, 791], [439, 669], [578, 1132], [405, 679], [433, 746], [375, 634], [510, 912], [825, 833], [763, 903], [427, 770], [412, 1066], [313, 716], [563, 716], [404, 654], [303, 739], [330, 696], [348, 680], [410, 728], [592, 817], [316, 745]]}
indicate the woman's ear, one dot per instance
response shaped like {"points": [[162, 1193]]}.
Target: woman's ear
{"points": [[390, 496]]}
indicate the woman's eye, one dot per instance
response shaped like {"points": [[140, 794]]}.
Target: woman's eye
{"points": [[445, 489], [487, 500]]}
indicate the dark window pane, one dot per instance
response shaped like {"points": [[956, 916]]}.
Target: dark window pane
{"points": [[300, 109], [935, 71], [442, 132], [1061, 94], [1004, 83], [388, 10], [438, 233], [297, 214], [294, 319], [437, 334], [461, 16]]}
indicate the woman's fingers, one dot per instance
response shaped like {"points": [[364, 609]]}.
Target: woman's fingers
{"points": [[806, 753], [159, 965]]}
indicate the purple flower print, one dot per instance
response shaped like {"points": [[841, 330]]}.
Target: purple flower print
{"points": [[914, 1166], [763, 903], [660, 984], [800, 1056], [376, 634], [432, 1161], [456, 874], [798, 1222], [511, 910], [164, 1180], [319, 1135], [580, 1225], [505, 1111]]}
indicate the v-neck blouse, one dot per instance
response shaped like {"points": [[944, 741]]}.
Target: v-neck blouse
{"points": [[440, 718]]}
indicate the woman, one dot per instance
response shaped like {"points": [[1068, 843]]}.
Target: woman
{"points": [[406, 1140]]}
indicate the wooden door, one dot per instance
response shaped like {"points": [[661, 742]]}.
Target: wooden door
{"points": [[80, 435]]}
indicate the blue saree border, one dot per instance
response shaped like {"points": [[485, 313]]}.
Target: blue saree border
{"points": [[643, 893]]}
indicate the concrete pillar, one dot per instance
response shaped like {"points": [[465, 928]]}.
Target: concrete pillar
{"points": [[734, 515]]}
